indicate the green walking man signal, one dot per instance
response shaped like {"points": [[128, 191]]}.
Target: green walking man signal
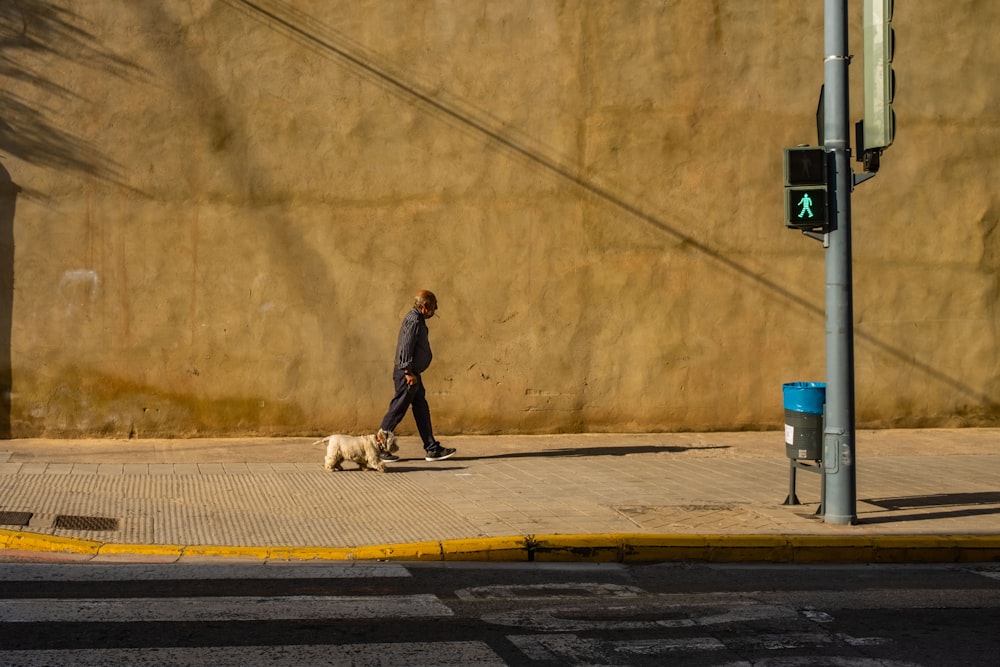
{"points": [[806, 187], [805, 207]]}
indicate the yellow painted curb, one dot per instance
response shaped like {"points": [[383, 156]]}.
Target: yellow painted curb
{"points": [[824, 548], [221, 551], [937, 548], [312, 553], [744, 548], [414, 551], [598, 548], [172, 550], [587, 548], [22, 541], [496, 549], [639, 548]]}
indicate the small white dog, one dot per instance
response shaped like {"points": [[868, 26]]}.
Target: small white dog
{"points": [[365, 450]]}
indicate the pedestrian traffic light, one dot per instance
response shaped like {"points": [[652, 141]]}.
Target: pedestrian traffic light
{"points": [[806, 187], [805, 208], [880, 80]]}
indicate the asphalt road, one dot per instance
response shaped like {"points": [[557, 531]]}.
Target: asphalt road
{"points": [[479, 614]]}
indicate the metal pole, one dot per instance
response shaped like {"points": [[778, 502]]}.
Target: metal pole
{"points": [[792, 499], [840, 488]]}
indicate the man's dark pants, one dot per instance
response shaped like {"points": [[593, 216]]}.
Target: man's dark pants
{"points": [[406, 397]]}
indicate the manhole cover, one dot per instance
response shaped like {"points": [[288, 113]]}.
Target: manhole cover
{"points": [[86, 523], [15, 518]]}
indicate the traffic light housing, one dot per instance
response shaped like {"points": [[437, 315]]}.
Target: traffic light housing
{"points": [[806, 188], [880, 80]]}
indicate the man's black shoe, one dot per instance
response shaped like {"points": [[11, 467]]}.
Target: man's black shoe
{"points": [[439, 454]]}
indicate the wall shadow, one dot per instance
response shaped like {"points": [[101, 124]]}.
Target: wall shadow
{"points": [[8, 200], [34, 29]]}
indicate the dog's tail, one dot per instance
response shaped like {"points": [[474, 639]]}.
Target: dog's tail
{"points": [[321, 441]]}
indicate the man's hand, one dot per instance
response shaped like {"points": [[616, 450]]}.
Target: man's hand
{"points": [[412, 378]]}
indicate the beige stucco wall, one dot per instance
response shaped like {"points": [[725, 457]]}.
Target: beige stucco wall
{"points": [[225, 207]]}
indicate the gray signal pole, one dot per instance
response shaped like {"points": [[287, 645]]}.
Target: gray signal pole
{"points": [[840, 502]]}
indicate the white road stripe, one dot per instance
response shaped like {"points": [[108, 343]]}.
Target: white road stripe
{"points": [[442, 654], [78, 572], [181, 609], [676, 615], [549, 591]]}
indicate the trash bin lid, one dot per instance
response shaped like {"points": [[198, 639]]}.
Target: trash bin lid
{"points": [[805, 396]]}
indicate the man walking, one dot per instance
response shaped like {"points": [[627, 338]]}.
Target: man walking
{"points": [[413, 356]]}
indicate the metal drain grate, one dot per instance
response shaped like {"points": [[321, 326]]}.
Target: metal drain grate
{"points": [[86, 522], [15, 518]]}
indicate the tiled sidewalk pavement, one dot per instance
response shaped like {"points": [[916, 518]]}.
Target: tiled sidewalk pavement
{"points": [[274, 492]]}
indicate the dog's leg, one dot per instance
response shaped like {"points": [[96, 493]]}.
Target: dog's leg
{"points": [[334, 461], [328, 459], [372, 456], [371, 463]]}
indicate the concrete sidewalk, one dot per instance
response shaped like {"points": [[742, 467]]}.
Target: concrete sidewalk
{"points": [[923, 495]]}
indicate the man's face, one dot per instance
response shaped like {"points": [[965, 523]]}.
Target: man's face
{"points": [[428, 309]]}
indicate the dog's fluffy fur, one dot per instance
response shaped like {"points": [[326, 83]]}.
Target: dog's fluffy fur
{"points": [[365, 450]]}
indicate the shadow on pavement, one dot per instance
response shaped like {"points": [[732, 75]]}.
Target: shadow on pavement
{"points": [[964, 505], [597, 451], [938, 500]]}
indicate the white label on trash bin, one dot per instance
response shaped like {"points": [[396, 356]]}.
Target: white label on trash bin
{"points": [[789, 434]]}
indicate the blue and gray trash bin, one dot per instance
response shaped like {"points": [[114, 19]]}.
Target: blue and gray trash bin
{"points": [[804, 403]]}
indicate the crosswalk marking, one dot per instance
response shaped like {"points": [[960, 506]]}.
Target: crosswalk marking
{"points": [[549, 591], [675, 615], [414, 654], [580, 622], [180, 609]]}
